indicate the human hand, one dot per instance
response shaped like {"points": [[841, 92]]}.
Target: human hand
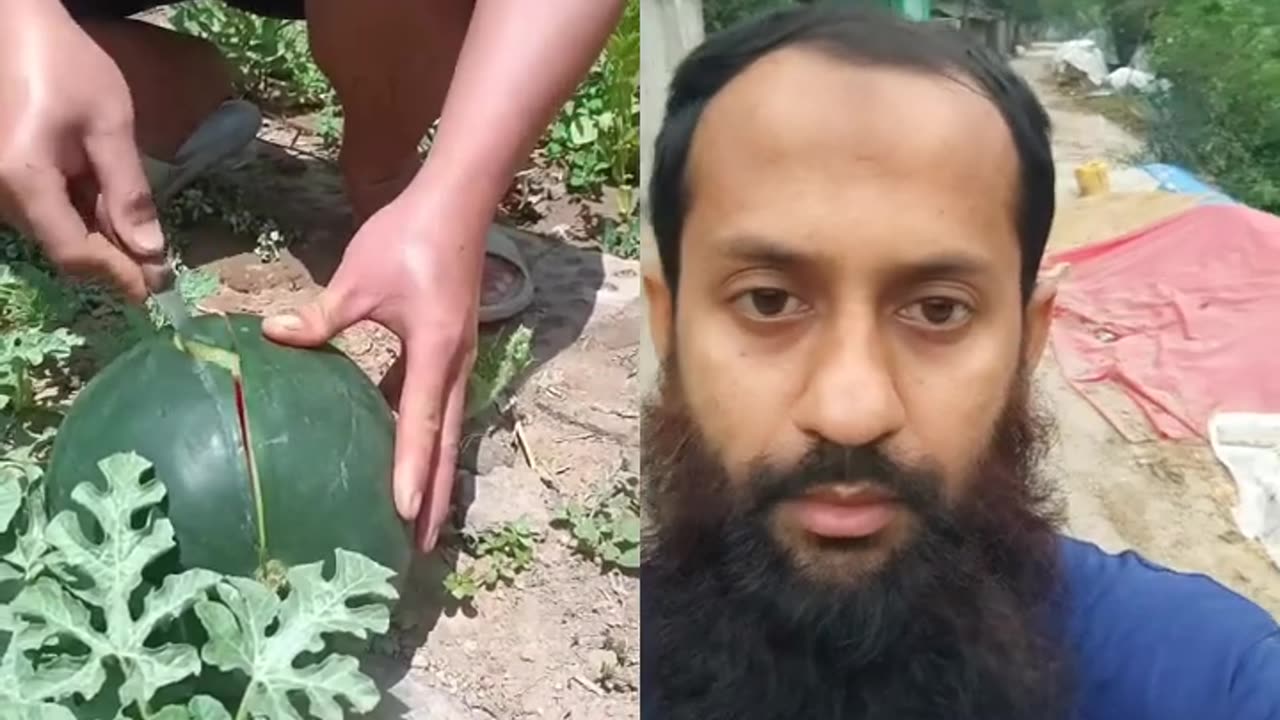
{"points": [[415, 269], [71, 175]]}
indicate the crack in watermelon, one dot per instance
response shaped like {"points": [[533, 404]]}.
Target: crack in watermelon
{"points": [[230, 361], [247, 444]]}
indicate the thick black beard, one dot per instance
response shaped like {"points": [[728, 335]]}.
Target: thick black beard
{"points": [[956, 626]]}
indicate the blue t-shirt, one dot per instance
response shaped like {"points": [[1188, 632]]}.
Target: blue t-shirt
{"points": [[1154, 644]]}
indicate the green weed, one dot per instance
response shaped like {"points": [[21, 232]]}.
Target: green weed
{"points": [[607, 527], [622, 238], [499, 361], [596, 137], [273, 56], [329, 126], [498, 556]]}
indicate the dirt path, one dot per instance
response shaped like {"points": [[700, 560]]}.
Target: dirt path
{"points": [[1171, 502]]}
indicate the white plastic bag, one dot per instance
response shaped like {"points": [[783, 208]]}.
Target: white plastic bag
{"points": [[1081, 57], [1126, 78], [1248, 444]]}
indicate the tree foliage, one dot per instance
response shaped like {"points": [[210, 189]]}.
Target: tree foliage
{"points": [[720, 14], [1222, 114]]}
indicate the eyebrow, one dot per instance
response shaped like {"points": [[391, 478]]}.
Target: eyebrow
{"points": [[951, 264], [762, 251]]}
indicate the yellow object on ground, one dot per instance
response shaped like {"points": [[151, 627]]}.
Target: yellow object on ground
{"points": [[1093, 178]]}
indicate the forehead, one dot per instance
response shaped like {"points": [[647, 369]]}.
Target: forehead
{"points": [[805, 147]]}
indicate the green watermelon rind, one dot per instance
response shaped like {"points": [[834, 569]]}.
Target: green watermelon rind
{"points": [[186, 395]]}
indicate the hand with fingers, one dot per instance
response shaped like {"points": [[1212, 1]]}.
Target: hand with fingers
{"points": [[416, 265], [414, 268], [71, 174]]}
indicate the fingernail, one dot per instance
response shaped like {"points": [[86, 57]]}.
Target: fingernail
{"points": [[150, 239], [287, 322], [430, 539], [415, 504]]}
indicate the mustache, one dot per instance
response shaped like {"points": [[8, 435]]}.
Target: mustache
{"points": [[826, 463]]}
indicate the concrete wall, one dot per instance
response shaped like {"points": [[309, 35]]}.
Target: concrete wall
{"points": [[668, 30]]}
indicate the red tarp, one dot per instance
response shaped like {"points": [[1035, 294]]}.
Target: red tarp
{"points": [[1183, 317]]}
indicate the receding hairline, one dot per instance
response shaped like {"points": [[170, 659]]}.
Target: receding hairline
{"points": [[857, 36], [982, 110]]}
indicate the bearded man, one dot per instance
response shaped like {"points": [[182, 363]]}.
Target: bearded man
{"points": [[846, 513]]}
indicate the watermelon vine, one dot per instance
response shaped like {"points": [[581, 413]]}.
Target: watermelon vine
{"points": [[84, 634]]}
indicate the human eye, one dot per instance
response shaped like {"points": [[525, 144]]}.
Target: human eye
{"points": [[767, 304], [938, 314]]}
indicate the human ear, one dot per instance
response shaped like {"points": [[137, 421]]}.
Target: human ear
{"points": [[1038, 315], [659, 307]]}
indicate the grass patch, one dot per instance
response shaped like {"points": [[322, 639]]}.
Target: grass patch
{"points": [[1127, 110]]}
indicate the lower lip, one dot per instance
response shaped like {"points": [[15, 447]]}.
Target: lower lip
{"points": [[843, 520]]}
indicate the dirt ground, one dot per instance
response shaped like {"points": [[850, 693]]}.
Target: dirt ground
{"points": [[562, 642], [1172, 502]]}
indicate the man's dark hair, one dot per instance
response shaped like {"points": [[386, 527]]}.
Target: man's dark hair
{"points": [[859, 35]]}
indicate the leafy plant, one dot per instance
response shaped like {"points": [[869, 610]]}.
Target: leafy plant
{"points": [[721, 14], [31, 307], [272, 55], [499, 360], [87, 632], [500, 554], [1221, 112], [622, 238], [329, 125], [597, 134], [607, 528]]}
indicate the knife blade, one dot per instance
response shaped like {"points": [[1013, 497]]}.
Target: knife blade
{"points": [[174, 308]]}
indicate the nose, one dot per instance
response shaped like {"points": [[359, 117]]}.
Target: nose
{"points": [[851, 396]]}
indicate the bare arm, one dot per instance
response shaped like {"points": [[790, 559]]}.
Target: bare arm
{"points": [[519, 63], [23, 7]]}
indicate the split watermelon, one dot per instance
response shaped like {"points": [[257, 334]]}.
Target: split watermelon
{"points": [[271, 456]]}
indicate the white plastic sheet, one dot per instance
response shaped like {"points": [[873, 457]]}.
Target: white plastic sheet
{"points": [[1083, 57], [1126, 78], [1248, 444]]}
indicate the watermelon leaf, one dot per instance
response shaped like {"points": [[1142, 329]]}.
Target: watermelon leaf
{"points": [[201, 707], [99, 577], [252, 630], [85, 629], [10, 497]]}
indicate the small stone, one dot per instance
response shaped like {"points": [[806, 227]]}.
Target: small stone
{"points": [[494, 450], [508, 494], [600, 662]]}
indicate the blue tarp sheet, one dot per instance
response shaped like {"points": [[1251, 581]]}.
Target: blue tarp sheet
{"points": [[1179, 180]]}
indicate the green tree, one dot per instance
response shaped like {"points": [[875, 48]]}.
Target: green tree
{"points": [[720, 14], [1221, 115]]}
